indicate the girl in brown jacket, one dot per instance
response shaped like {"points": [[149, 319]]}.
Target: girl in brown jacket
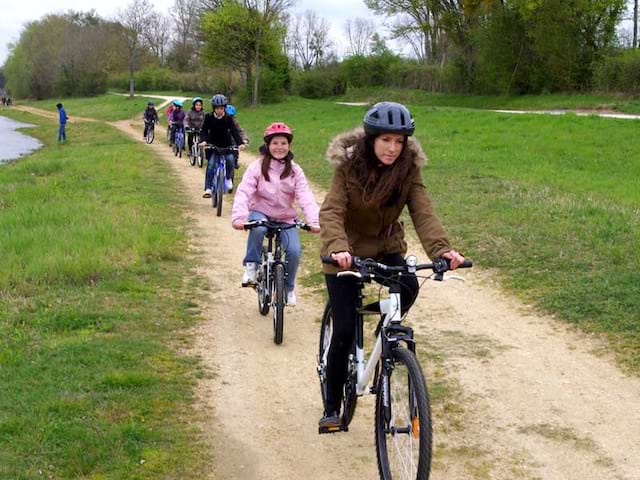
{"points": [[377, 174]]}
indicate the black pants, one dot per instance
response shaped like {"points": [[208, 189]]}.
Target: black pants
{"points": [[343, 297]]}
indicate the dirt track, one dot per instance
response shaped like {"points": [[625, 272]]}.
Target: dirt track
{"points": [[527, 397]]}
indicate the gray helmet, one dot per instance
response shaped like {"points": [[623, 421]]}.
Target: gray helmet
{"points": [[388, 117], [219, 100]]}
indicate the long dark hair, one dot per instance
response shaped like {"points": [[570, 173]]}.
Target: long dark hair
{"points": [[266, 160], [380, 183]]}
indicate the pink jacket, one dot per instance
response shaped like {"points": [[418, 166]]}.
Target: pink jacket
{"points": [[274, 198]]}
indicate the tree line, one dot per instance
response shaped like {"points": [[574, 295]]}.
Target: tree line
{"points": [[259, 49]]}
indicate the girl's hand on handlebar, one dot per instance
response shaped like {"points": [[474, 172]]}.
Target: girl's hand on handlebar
{"points": [[203, 144], [315, 228], [238, 225], [343, 259], [242, 146], [454, 258]]}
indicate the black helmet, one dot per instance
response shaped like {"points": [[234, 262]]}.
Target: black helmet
{"points": [[219, 100], [388, 117], [149, 104]]}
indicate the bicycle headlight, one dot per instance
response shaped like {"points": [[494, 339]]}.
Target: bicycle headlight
{"points": [[412, 261]]}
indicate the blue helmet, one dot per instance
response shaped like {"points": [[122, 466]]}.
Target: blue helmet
{"points": [[196, 99], [149, 103], [177, 103], [231, 110]]}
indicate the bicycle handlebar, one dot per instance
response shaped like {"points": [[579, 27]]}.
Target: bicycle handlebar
{"points": [[367, 266], [269, 225], [221, 150]]}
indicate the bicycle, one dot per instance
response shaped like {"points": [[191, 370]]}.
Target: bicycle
{"points": [[150, 132], [194, 152], [220, 174], [178, 145], [403, 428], [272, 273]]}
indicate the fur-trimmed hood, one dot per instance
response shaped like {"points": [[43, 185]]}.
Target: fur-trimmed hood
{"points": [[341, 148]]}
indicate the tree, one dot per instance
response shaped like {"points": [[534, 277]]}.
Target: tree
{"points": [[635, 23], [241, 34], [309, 39], [185, 14], [359, 32], [158, 35], [134, 20]]}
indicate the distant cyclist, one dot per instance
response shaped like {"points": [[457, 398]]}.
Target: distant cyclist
{"points": [[176, 118], [219, 129], [149, 116], [194, 119], [269, 190], [231, 111]]}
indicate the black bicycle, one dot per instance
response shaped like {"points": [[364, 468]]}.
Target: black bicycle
{"points": [[271, 278], [150, 128], [194, 152], [403, 428]]}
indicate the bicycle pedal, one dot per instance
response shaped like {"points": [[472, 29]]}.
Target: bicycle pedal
{"points": [[250, 285], [335, 429]]}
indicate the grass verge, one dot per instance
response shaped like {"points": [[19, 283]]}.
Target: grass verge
{"points": [[94, 305], [551, 202]]}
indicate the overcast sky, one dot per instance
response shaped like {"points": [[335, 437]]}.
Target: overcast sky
{"points": [[16, 13]]}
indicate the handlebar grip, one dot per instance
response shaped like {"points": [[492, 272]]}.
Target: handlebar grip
{"points": [[466, 264], [328, 260], [306, 227]]}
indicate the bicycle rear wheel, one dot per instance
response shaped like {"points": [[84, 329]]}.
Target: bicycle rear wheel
{"points": [[262, 285], [219, 191], [403, 420], [278, 303]]}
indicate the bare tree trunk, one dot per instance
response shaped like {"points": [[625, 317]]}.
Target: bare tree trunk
{"points": [[131, 82], [256, 78], [635, 23]]}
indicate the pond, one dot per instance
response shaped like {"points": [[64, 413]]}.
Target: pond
{"points": [[15, 144]]}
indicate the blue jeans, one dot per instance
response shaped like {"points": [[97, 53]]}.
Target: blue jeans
{"points": [[290, 244], [211, 167], [61, 133]]}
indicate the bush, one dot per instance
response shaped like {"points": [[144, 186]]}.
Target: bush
{"points": [[154, 78], [619, 73], [319, 83]]}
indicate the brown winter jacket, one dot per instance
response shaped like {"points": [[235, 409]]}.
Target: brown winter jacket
{"points": [[347, 224]]}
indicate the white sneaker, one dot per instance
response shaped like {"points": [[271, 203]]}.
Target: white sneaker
{"points": [[249, 276], [207, 193], [291, 298], [229, 184]]}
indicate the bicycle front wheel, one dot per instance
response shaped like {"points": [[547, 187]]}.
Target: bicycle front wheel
{"points": [[193, 153], [150, 135], [403, 420], [219, 191], [278, 303]]}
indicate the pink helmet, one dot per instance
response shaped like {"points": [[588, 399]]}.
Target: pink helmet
{"points": [[278, 128]]}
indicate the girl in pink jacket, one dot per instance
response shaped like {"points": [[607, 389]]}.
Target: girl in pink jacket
{"points": [[268, 190]]}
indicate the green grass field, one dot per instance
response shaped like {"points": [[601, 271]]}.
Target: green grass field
{"points": [[552, 203], [95, 301], [103, 107]]}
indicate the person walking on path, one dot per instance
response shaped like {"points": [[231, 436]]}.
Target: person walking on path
{"points": [[62, 135]]}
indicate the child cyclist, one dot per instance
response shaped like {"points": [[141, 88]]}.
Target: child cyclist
{"points": [[231, 111], [176, 118], [150, 115], [268, 190], [218, 129], [194, 119]]}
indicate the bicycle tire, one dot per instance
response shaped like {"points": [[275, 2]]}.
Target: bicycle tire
{"points": [[409, 433], [150, 136], [262, 285], [349, 397], [219, 191], [193, 153], [279, 293], [174, 147]]}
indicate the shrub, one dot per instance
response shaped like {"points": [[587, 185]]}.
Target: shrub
{"points": [[619, 72], [319, 83]]}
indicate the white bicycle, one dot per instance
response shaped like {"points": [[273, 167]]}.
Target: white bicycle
{"points": [[403, 428]]}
